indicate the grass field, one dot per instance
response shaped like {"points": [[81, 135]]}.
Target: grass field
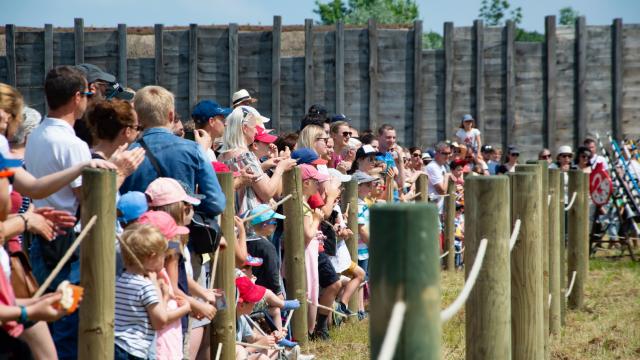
{"points": [[607, 328]]}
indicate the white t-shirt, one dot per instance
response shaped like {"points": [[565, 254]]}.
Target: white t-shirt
{"points": [[469, 138], [53, 146], [436, 172], [599, 159]]}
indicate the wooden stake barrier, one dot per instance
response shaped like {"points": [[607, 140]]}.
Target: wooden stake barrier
{"points": [[223, 326], [449, 227], [350, 207], [488, 309], [527, 322], [98, 265], [555, 212], [578, 246], [421, 188], [563, 256], [409, 232]]}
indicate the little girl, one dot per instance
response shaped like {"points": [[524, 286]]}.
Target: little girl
{"points": [[469, 135]]}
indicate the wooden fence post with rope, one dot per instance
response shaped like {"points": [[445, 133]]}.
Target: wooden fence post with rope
{"points": [[411, 275], [422, 188], [488, 309], [98, 266], [555, 212], [562, 226], [450, 227], [223, 326], [295, 272], [527, 322], [350, 207], [578, 246]]}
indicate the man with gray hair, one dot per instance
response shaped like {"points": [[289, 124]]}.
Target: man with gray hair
{"points": [[439, 174], [31, 119]]}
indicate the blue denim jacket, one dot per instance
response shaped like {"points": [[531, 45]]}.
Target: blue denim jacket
{"points": [[182, 160]]}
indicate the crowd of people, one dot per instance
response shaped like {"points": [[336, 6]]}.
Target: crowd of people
{"points": [[168, 191]]}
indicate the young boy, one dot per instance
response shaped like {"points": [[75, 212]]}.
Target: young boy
{"points": [[140, 307], [365, 185]]}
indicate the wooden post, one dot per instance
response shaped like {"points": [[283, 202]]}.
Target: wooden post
{"points": [[541, 169], [488, 308], [617, 68], [295, 272], [233, 61], [122, 54], [527, 319], [555, 212], [48, 57], [578, 246], [10, 40], [510, 88], [580, 81], [223, 326], [350, 198], [158, 30], [449, 227], [373, 74], [418, 117], [339, 67], [98, 266], [308, 64], [478, 31], [414, 240], [448, 80], [276, 36], [78, 39], [563, 257], [550, 83], [422, 188], [193, 66]]}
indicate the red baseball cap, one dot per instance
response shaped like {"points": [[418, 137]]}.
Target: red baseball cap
{"points": [[263, 136], [248, 291], [164, 222], [220, 167]]}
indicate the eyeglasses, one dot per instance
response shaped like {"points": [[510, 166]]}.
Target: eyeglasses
{"points": [[136, 127], [566, 156], [86, 93], [545, 157], [325, 139], [445, 153], [514, 154], [416, 155], [347, 133]]}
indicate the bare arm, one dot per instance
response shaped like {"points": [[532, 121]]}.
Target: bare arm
{"points": [[267, 187]]}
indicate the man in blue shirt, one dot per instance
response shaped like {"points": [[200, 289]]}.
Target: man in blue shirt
{"points": [[177, 158]]}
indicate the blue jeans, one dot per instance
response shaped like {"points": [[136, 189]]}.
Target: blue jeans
{"points": [[120, 354], [364, 264]]}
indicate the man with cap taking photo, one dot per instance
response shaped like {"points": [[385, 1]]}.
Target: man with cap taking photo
{"points": [[102, 85], [209, 117]]}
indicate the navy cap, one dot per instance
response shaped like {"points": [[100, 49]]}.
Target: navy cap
{"points": [[94, 73], [340, 117], [206, 109]]}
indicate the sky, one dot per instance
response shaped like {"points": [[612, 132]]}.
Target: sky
{"points": [[108, 13]]}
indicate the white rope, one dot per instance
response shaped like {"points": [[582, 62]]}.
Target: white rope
{"points": [[457, 304], [394, 328], [573, 198], [286, 324], [443, 255], [514, 234], [250, 320], [320, 306], [573, 281], [219, 351]]}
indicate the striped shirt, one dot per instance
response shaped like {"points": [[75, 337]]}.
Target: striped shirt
{"points": [[134, 332]]}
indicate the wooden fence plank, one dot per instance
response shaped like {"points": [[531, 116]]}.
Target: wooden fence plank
{"points": [[233, 60], [48, 54], [159, 61], [510, 98], [78, 36], [418, 117], [308, 63], [617, 68], [340, 67], [580, 84], [478, 31], [193, 65], [275, 72], [448, 79], [373, 75], [550, 124], [122, 54], [10, 38]]}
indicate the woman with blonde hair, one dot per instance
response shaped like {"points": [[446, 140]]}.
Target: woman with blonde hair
{"points": [[239, 133], [315, 138]]}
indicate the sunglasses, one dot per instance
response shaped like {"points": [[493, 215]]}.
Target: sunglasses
{"points": [[514, 154], [566, 156], [325, 139], [416, 155], [445, 153], [86, 93], [347, 133], [545, 157], [270, 222]]}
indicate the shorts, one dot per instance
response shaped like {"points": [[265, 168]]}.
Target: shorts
{"points": [[364, 264], [350, 272], [326, 273]]}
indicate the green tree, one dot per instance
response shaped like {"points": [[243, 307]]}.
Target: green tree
{"points": [[431, 40], [496, 12], [568, 16], [360, 11]]}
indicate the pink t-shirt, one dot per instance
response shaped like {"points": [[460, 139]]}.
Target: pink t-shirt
{"points": [[169, 341]]}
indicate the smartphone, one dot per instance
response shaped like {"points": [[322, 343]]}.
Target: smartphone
{"points": [[221, 300], [190, 135]]}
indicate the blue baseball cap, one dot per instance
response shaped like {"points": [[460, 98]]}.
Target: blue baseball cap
{"points": [[9, 162], [206, 109], [266, 214], [131, 206], [307, 156]]}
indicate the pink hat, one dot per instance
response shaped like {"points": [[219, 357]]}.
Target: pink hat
{"points": [[164, 222], [310, 172], [164, 191]]}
